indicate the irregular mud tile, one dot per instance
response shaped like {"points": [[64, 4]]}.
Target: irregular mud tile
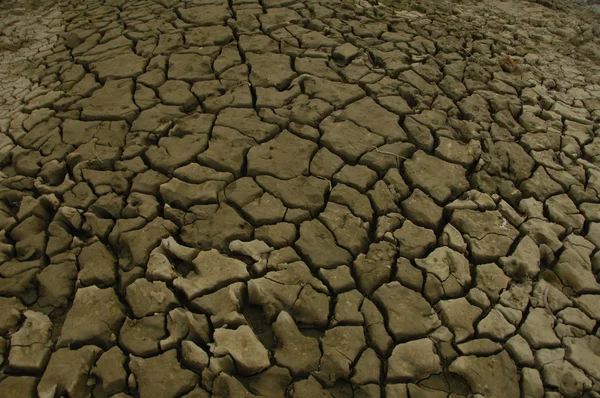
{"points": [[218, 305], [316, 67], [12, 267], [454, 151], [97, 266], [495, 326], [205, 15], [415, 360], [265, 210], [540, 186], [119, 67], [388, 156], [422, 210], [325, 164], [31, 345], [227, 58], [148, 182], [531, 383], [446, 269], [183, 324], [217, 230], [285, 156], [459, 316], [270, 97], [11, 310], [276, 18], [43, 101], [299, 353], [509, 160], [350, 231], [383, 199], [110, 370], [443, 181], [341, 346], [348, 140], [18, 386], [146, 298], [493, 376], [368, 114], [524, 261], [208, 88], [270, 70], [183, 195], [194, 357], [76, 132], [196, 174], [237, 96], [575, 317], [162, 376], [114, 101], [347, 309], [374, 268], [177, 92], [319, 246], [562, 375], [583, 352], [194, 123], [453, 88], [279, 259], [109, 205], [86, 86], [236, 75], [95, 317], [311, 307], [141, 205], [140, 337], [367, 369], [247, 122], [538, 329], [300, 192], [588, 304], [307, 111], [414, 241], [409, 275], [336, 93], [396, 61], [68, 372], [105, 181], [400, 302], [135, 245], [168, 42], [278, 235], [308, 388], [228, 386], [242, 192], [272, 382], [247, 351], [21, 286], [212, 271], [359, 177], [520, 351], [488, 234], [563, 211], [155, 118], [491, 280], [283, 290], [226, 151], [315, 40]]}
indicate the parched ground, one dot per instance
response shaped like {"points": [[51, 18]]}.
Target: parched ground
{"points": [[305, 199]]}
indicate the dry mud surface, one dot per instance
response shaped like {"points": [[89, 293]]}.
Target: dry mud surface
{"points": [[313, 198]]}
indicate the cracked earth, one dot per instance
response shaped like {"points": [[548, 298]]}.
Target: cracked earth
{"points": [[319, 198]]}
